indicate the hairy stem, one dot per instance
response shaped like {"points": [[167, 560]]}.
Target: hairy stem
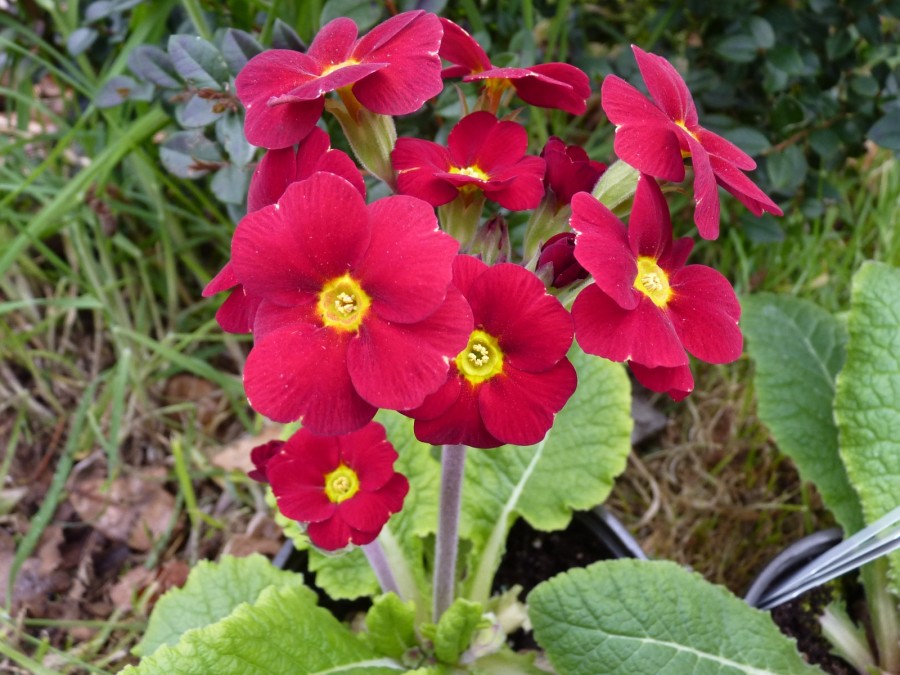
{"points": [[379, 563], [453, 461]]}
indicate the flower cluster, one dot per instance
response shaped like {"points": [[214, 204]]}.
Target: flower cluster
{"points": [[355, 306]]}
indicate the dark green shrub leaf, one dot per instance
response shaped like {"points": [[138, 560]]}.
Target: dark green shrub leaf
{"points": [[198, 61], [763, 230], [630, 617], [787, 170], [787, 112], [886, 131], [748, 139], [788, 59], [122, 88], [153, 65], [98, 10], [436, 6], [285, 37], [189, 154], [238, 47], [762, 31], [864, 85], [826, 143], [839, 44], [737, 48], [230, 183], [364, 12], [80, 40]]}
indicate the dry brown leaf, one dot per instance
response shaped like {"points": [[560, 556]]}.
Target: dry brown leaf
{"points": [[236, 456], [135, 509]]}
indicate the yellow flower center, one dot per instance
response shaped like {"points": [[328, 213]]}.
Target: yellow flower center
{"points": [[343, 304], [341, 484], [684, 153], [652, 281], [482, 358], [337, 66], [471, 171]]}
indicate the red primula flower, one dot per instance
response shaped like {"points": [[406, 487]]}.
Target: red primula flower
{"points": [[569, 170], [393, 70], [559, 253], [483, 154], [513, 375], [277, 169], [645, 306], [344, 488], [356, 310], [549, 85], [260, 456], [656, 136]]}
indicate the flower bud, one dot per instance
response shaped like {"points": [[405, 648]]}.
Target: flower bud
{"points": [[559, 253]]}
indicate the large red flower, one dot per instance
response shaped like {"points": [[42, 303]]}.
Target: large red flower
{"points": [[343, 488], [483, 154], [357, 310], [645, 306], [548, 85], [393, 70], [513, 376], [277, 169], [655, 137]]}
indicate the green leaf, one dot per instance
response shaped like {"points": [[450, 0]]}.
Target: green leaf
{"points": [[867, 406], [199, 62], [798, 350], [122, 88], [455, 629], [238, 47], [748, 139], [737, 48], [572, 468], [189, 154], [787, 169], [283, 632], [628, 617], [886, 131], [391, 625], [212, 592], [364, 12], [762, 31], [153, 65]]}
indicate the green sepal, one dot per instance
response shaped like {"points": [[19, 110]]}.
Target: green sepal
{"points": [[616, 187]]}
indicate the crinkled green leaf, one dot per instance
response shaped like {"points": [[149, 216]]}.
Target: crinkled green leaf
{"points": [[199, 62], [629, 617], [212, 592], [798, 350], [572, 468], [283, 632], [867, 406], [455, 629], [390, 624], [506, 662]]}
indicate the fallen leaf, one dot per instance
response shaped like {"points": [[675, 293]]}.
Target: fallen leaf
{"points": [[236, 456]]}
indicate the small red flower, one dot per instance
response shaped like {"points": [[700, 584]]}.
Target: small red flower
{"points": [[646, 306], [513, 376], [393, 70], [276, 170], [569, 170], [549, 85], [483, 154], [356, 312], [655, 137], [260, 456], [559, 253], [344, 488]]}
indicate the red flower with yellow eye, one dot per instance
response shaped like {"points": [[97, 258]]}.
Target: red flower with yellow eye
{"points": [[393, 70], [547, 85], [513, 376], [656, 136], [483, 154], [645, 306], [356, 311], [342, 488], [275, 171]]}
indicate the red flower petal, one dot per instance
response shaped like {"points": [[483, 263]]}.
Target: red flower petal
{"points": [[364, 512], [300, 372], [667, 87], [519, 407], [505, 144], [409, 42], [407, 267], [624, 104], [706, 192], [286, 251], [396, 365], [437, 403], [260, 456], [717, 146], [460, 423], [744, 189], [705, 313], [317, 87], [558, 85], [416, 162], [271, 316], [644, 334], [676, 382], [224, 280], [653, 150], [533, 329], [268, 75], [333, 42], [332, 534], [471, 133], [602, 248], [525, 188], [370, 455], [466, 269], [458, 47], [238, 313], [649, 225]]}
